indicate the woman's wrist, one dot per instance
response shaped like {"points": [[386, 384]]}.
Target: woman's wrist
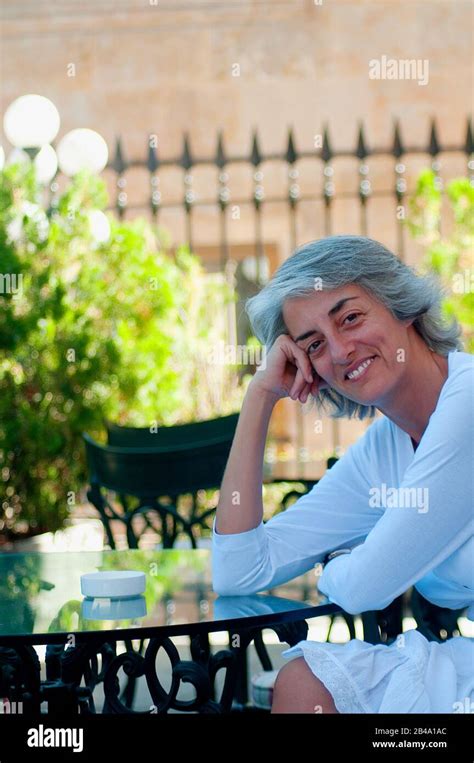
{"points": [[338, 552], [257, 390]]}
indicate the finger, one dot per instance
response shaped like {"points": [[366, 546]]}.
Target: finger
{"points": [[304, 394], [301, 360], [304, 364], [297, 384]]}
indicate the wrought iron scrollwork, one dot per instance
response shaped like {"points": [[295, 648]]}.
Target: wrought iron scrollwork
{"points": [[200, 672], [20, 680], [73, 673]]}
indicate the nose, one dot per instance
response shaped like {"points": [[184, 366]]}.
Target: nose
{"points": [[341, 350]]}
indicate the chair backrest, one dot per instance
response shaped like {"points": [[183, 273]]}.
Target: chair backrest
{"points": [[181, 434], [149, 472]]}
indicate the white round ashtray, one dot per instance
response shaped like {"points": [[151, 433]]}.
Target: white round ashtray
{"points": [[262, 688], [113, 584], [114, 609]]}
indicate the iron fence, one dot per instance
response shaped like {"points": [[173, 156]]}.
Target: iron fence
{"points": [[156, 201]]}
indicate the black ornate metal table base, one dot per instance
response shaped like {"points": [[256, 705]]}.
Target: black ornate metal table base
{"points": [[72, 673]]}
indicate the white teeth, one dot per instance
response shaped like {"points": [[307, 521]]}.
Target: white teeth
{"points": [[357, 372]]}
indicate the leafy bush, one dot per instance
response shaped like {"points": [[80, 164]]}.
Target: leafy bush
{"points": [[449, 256], [119, 330]]}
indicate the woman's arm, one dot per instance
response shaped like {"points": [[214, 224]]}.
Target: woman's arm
{"points": [[240, 505], [287, 371], [410, 541], [334, 514]]}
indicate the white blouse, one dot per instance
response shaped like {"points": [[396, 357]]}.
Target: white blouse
{"points": [[407, 515]]}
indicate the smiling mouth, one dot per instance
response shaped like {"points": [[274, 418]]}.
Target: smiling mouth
{"points": [[361, 371]]}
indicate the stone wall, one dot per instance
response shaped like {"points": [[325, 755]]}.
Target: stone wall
{"points": [[146, 67]]}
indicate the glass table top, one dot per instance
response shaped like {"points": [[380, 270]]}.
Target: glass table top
{"points": [[41, 599]]}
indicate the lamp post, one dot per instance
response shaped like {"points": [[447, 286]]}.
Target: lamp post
{"points": [[31, 122], [45, 161], [82, 149]]}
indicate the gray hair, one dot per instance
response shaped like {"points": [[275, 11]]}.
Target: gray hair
{"points": [[339, 260]]}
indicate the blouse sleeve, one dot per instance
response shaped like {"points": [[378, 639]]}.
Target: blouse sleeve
{"points": [[334, 513], [427, 519]]}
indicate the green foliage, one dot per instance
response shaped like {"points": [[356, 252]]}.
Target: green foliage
{"points": [[119, 330], [448, 256]]}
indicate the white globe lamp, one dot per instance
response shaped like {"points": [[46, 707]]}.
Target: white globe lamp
{"points": [[31, 122], [82, 149]]}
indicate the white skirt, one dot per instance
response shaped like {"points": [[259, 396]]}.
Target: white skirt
{"points": [[410, 675]]}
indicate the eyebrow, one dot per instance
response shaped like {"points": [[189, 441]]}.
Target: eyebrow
{"points": [[332, 311]]}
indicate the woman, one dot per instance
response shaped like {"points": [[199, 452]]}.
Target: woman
{"points": [[349, 325]]}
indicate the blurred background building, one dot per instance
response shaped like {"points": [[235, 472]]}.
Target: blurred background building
{"points": [[247, 128]]}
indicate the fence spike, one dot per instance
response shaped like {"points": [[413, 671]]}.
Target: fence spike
{"points": [[362, 150], [433, 148], [469, 146], [291, 154], [119, 164], [397, 150], [186, 159], [152, 162], [220, 153], [326, 153], [255, 156]]}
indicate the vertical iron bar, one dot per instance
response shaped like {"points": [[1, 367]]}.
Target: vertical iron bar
{"points": [[469, 150], [293, 195], [223, 199], [258, 197], [434, 150], [328, 195], [189, 195], [364, 184], [400, 190], [155, 195], [120, 166]]}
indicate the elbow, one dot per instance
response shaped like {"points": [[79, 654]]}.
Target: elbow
{"points": [[352, 594], [359, 602], [347, 604], [223, 588], [226, 584]]}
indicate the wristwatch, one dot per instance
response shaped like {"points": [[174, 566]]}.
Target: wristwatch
{"points": [[338, 552]]}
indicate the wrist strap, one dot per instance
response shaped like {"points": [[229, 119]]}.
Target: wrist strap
{"points": [[339, 551]]}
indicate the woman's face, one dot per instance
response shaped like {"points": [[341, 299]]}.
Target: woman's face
{"points": [[346, 326]]}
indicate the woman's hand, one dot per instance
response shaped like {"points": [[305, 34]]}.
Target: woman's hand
{"points": [[288, 372]]}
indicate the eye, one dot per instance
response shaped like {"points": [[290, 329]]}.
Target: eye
{"points": [[351, 315], [313, 348]]}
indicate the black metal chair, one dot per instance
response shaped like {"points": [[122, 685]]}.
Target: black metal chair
{"points": [[154, 469], [195, 432], [435, 623], [149, 472]]}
